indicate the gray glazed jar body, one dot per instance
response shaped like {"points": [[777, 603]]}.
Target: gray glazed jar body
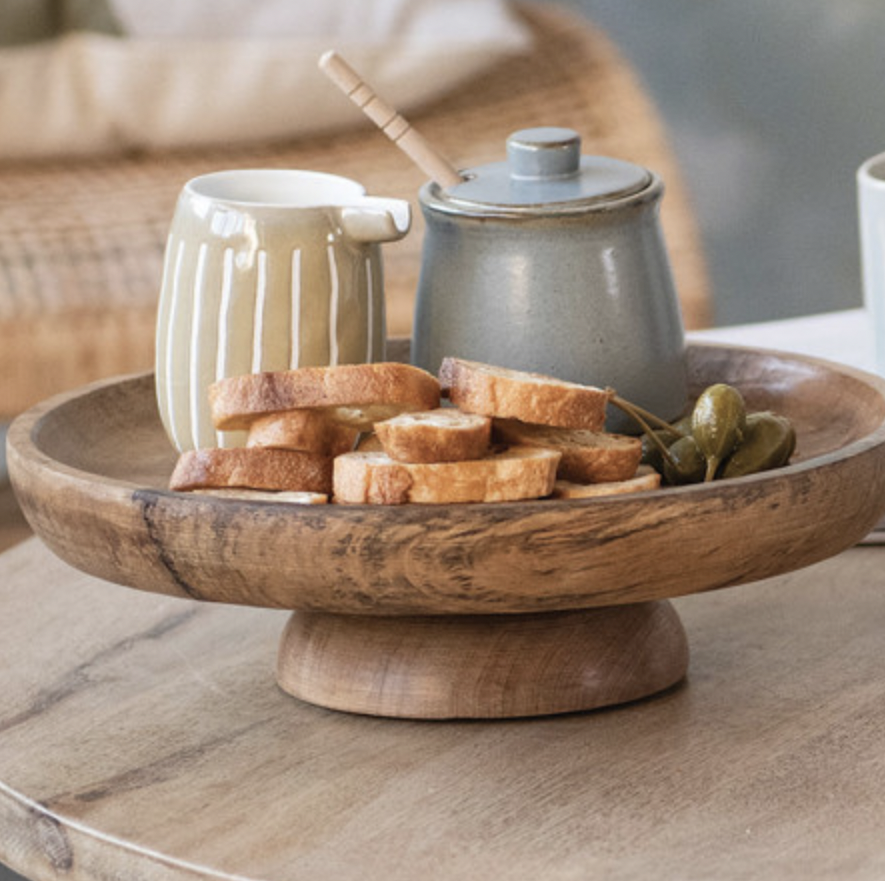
{"points": [[586, 296]]}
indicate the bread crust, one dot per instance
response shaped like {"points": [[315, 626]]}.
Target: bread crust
{"points": [[508, 474], [258, 468], [645, 479], [311, 430], [530, 397], [441, 435], [368, 391], [587, 456]]}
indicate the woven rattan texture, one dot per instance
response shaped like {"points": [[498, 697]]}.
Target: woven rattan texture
{"points": [[81, 244]]}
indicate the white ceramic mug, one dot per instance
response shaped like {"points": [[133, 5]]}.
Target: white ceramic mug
{"points": [[267, 269], [871, 213]]}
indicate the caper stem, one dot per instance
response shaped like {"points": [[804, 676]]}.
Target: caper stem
{"points": [[712, 465], [638, 414], [635, 411]]}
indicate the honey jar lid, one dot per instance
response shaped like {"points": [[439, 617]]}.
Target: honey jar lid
{"points": [[544, 174]]}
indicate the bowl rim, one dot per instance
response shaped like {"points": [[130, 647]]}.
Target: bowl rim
{"points": [[481, 578]]}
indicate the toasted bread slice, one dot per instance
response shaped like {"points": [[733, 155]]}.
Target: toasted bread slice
{"points": [[442, 435], [529, 397], [261, 495], [587, 456], [357, 394], [311, 430], [503, 475], [646, 478], [258, 468]]}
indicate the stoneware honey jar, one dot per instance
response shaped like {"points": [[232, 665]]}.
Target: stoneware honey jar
{"points": [[554, 263]]}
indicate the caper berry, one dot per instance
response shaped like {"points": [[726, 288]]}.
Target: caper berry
{"points": [[651, 447], [686, 463], [718, 422], [769, 441], [683, 425]]}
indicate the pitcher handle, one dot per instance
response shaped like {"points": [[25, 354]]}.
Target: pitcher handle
{"points": [[375, 219]]}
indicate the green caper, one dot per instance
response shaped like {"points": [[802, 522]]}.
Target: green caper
{"points": [[651, 454], [717, 424], [683, 425], [769, 441], [686, 463], [651, 447]]}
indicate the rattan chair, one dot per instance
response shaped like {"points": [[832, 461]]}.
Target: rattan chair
{"points": [[81, 243]]}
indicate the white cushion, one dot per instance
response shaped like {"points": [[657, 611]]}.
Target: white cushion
{"points": [[186, 75]]}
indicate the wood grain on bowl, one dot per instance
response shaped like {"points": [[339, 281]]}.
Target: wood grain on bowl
{"points": [[91, 470]]}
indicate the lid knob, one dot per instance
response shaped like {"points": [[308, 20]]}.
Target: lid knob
{"points": [[544, 153]]}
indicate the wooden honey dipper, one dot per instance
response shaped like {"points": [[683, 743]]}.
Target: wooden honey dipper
{"points": [[398, 129]]}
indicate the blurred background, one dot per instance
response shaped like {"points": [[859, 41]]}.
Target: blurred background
{"points": [[770, 105]]}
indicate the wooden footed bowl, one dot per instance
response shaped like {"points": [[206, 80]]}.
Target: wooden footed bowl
{"points": [[484, 610]]}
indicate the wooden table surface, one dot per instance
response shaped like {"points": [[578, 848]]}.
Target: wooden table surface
{"points": [[143, 737]]}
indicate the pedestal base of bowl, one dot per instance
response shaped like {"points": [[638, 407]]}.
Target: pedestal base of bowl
{"points": [[482, 666]]}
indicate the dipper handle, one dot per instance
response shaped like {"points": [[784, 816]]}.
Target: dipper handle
{"points": [[398, 129]]}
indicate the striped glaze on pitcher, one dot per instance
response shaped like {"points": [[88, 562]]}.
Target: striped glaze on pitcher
{"points": [[266, 270]]}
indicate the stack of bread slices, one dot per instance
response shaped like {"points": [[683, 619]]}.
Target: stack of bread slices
{"points": [[390, 433]]}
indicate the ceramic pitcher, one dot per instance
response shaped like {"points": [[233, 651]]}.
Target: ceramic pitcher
{"points": [[267, 270], [555, 263]]}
